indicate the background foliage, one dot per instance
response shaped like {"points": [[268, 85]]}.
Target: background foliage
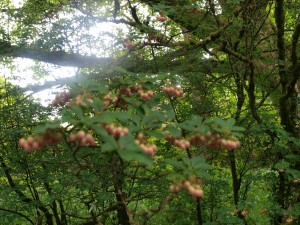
{"points": [[181, 112]]}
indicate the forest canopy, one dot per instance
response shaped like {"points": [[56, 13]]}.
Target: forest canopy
{"points": [[178, 112]]}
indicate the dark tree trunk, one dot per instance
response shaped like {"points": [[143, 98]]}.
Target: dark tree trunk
{"points": [[123, 218]]}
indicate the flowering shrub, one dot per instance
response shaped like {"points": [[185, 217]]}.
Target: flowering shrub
{"points": [[134, 120]]}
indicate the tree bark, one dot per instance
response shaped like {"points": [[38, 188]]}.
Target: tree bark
{"points": [[60, 58], [122, 214]]}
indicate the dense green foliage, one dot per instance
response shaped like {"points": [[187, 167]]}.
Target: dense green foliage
{"points": [[181, 112]]}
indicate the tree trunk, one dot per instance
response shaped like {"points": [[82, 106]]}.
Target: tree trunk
{"points": [[122, 214]]}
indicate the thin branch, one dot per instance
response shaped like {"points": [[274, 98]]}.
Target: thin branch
{"points": [[251, 95], [237, 55], [19, 214], [279, 19], [214, 35], [295, 39], [40, 87]]}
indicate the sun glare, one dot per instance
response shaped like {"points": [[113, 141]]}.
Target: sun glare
{"points": [[25, 72]]}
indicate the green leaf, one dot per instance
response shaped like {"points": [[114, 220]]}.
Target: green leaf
{"points": [[154, 134], [136, 119], [121, 70], [193, 124], [69, 117], [127, 141], [77, 111], [132, 128], [108, 147], [237, 134], [196, 119], [122, 116], [97, 104], [146, 109], [282, 165], [94, 85], [45, 126], [169, 111], [230, 122], [99, 130], [154, 117], [196, 160], [110, 143], [187, 125], [175, 132], [236, 128], [203, 166], [135, 154], [219, 121], [109, 117], [176, 164]]}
